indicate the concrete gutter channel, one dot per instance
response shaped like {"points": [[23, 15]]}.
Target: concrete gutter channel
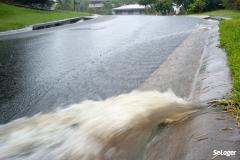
{"points": [[201, 68], [208, 72]]}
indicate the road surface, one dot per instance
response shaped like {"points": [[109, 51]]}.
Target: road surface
{"points": [[43, 70], [46, 69]]}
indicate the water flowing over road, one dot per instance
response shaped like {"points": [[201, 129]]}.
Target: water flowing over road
{"points": [[41, 71], [96, 59]]}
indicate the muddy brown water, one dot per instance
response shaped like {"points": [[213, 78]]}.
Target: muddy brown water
{"points": [[101, 67]]}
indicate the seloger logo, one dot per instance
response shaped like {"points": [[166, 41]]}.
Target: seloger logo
{"points": [[224, 153]]}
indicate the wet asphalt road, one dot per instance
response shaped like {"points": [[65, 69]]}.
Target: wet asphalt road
{"points": [[46, 69]]}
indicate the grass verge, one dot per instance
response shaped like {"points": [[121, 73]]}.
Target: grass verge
{"points": [[12, 17], [230, 41]]}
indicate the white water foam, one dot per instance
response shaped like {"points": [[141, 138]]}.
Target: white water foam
{"points": [[116, 128]]}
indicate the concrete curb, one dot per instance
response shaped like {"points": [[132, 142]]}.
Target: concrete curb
{"points": [[216, 18], [59, 23], [199, 16], [48, 25]]}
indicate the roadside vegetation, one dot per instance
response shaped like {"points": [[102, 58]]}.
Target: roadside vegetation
{"points": [[13, 17], [166, 7], [230, 41], [156, 7]]}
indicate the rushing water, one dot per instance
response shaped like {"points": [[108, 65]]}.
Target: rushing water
{"points": [[117, 128], [96, 59]]}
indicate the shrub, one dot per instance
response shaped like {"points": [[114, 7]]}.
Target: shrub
{"points": [[164, 6], [197, 6], [231, 4]]}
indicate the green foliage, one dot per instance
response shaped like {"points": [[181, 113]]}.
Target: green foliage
{"points": [[213, 5], [231, 4], [225, 13], [146, 2], [197, 6], [13, 17], [65, 4], [118, 3], [150, 11], [83, 5], [158, 6], [164, 6], [80, 5], [183, 3], [32, 1], [40, 4], [190, 6], [230, 40]]}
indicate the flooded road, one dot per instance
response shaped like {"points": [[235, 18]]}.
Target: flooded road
{"points": [[46, 69]]}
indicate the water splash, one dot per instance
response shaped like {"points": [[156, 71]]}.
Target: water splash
{"points": [[117, 128]]}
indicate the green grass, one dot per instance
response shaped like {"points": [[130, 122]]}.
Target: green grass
{"points": [[230, 41], [12, 17]]}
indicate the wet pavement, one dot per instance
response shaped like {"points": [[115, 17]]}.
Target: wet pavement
{"points": [[210, 129], [46, 69], [43, 70]]}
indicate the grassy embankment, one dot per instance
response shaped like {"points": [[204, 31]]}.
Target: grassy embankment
{"points": [[230, 41], [12, 17]]}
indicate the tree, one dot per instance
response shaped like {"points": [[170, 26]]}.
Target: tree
{"points": [[164, 6], [231, 4], [213, 5], [32, 1], [146, 2], [183, 3], [64, 4], [40, 4], [197, 6], [82, 5]]}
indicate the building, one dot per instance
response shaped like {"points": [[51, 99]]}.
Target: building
{"points": [[96, 3], [131, 9]]}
